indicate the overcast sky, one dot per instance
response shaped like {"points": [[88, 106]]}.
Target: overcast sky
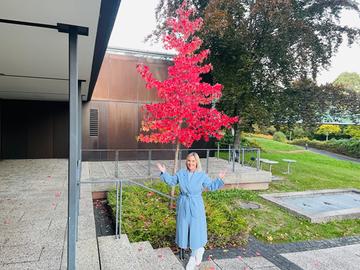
{"points": [[136, 19]]}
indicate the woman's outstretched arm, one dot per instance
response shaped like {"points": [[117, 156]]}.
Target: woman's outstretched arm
{"points": [[166, 177], [214, 184]]}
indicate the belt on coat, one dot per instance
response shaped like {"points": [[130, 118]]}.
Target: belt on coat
{"points": [[189, 204]]}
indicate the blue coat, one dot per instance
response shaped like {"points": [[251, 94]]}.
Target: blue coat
{"points": [[191, 229]]}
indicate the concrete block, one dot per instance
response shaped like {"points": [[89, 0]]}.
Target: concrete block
{"points": [[146, 256], [86, 227], [231, 264], [257, 262], [20, 253], [167, 259], [117, 252], [344, 258], [210, 265], [38, 265]]}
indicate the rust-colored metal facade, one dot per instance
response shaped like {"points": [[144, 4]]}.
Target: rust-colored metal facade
{"points": [[118, 96]]}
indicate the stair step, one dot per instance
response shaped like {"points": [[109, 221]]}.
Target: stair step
{"points": [[210, 265], [232, 264], [117, 253], [167, 260], [146, 256]]}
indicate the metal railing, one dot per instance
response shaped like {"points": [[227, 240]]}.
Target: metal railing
{"points": [[241, 156], [234, 155], [119, 191]]}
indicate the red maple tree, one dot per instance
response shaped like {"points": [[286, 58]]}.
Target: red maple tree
{"points": [[186, 114]]}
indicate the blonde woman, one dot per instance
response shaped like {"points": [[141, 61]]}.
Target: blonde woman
{"points": [[191, 228]]}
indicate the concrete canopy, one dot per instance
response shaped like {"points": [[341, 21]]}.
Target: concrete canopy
{"points": [[34, 61]]}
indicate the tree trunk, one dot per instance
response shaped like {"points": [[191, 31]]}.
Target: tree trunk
{"points": [[176, 161], [237, 137], [327, 136]]}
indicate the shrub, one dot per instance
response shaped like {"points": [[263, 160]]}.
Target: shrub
{"points": [[256, 128], [249, 143], [279, 136], [271, 130], [353, 131], [147, 217], [298, 132], [264, 136], [227, 139]]}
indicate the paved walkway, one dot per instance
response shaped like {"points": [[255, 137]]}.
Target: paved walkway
{"points": [[33, 214], [333, 155], [33, 203], [33, 217], [332, 254]]}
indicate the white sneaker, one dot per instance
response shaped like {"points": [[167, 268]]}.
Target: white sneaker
{"points": [[198, 255], [191, 263]]}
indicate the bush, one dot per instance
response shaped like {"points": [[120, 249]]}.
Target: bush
{"points": [[251, 144], [347, 147], [271, 130], [256, 128], [227, 139], [252, 135], [147, 217], [279, 137], [298, 132], [353, 131]]}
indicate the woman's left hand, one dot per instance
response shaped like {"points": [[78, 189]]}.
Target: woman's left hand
{"points": [[222, 174]]}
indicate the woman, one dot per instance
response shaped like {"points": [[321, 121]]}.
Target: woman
{"points": [[191, 230]]}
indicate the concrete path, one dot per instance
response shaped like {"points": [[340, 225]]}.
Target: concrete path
{"points": [[33, 203], [333, 155], [33, 214], [33, 217], [344, 258]]}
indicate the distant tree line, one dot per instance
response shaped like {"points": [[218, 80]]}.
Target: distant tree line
{"points": [[268, 53]]}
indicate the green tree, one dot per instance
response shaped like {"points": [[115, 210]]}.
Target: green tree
{"points": [[298, 132], [328, 129], [353, 131], [260, 47], [348, 80], [305, 102]]}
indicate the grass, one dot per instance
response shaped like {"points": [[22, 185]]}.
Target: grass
{"points": [[312, 170], [269, 223]]}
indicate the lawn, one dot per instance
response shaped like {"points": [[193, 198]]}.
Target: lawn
{"points": [[269, 223]]}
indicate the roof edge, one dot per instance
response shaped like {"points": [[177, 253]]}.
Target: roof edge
{"points": [[107, 17]]}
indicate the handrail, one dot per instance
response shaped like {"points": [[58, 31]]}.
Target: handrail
{"points": [[163, 149], [232, 155], [118, 211], [151, 189]]}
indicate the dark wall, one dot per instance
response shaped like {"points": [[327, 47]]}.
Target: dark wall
{"points": [[33, 129]]}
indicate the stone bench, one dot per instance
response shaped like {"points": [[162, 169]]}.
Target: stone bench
{"points": [[267, 161], [289, 161]]}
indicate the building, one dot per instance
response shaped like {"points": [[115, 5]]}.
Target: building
{"points": [[50, 57]]}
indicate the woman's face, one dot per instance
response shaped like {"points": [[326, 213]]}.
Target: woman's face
{"points": [[191, 163]]}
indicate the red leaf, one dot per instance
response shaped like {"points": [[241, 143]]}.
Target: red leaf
{"points": [[181, 115]]}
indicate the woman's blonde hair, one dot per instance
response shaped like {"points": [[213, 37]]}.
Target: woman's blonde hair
{"points": [[198, 163]]}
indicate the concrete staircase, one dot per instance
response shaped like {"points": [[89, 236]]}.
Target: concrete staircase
{"points": [[121, 254]]}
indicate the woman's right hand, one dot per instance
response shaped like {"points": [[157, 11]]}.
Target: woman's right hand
{"points": [[161, 167]]}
